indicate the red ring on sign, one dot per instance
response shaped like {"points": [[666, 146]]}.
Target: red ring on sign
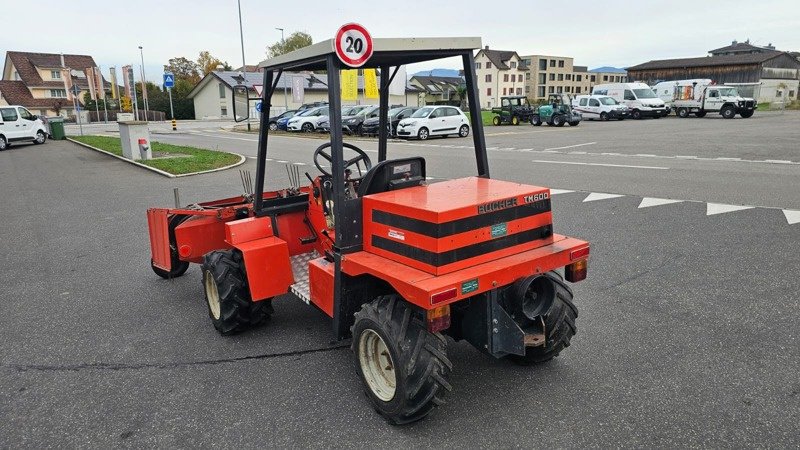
{"points": [[340, 53]]}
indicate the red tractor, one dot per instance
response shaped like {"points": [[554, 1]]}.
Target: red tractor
{"points": [[396, 262]]}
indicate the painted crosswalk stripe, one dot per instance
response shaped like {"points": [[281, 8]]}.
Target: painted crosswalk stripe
{"points": [[792, 216], [594, 196], [651, 201], [722, 208], [559, 191]]}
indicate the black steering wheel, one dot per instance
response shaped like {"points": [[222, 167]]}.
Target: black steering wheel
{"points": [[362, 156]]}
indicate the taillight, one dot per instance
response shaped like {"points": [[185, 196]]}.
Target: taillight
{"points": [[576, 271], [440, 297], [439, 318]]}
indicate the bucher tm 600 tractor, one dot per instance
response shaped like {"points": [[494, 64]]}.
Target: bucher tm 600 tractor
{"points": [[397, 263], [556, 112]]}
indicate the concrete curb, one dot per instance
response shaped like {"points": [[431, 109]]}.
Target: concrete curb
{"points": [[241, 161]]}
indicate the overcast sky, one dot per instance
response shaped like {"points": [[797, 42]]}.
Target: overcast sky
{"points": [[613, 33]]}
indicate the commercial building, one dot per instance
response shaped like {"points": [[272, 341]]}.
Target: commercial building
{"points": [[766, 74], [558, 74], [213, 95]]}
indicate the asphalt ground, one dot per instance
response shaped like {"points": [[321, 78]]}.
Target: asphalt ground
{"points": [[687, 330]]}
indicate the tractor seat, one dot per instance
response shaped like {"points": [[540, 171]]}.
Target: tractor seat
{"points": [[393, 174]]}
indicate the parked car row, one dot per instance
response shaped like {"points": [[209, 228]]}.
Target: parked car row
{"points": [[403, 121], [17, 124]]}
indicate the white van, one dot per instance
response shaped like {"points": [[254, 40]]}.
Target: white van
{"points": [[18, 124], [638, 97], [599, 107]]}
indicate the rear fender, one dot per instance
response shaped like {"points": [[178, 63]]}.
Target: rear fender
{"points": [[266, 257]]}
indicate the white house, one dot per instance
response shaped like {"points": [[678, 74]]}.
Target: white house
{"points": [[500, 73]]}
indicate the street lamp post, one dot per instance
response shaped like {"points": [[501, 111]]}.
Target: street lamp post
{"points": [[285, 98], [244, 64], [144, 87]]}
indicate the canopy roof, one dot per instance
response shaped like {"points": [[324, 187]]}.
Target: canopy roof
{"points": [[386, 51]]}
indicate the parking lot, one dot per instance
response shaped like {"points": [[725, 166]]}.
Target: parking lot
{"points": [[687, 328]]}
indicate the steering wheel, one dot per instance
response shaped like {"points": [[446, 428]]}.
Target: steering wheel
{"points": [[362, 156]]}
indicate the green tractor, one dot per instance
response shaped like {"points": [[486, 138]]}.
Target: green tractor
{"points": [[512, 110], [556, 112]]}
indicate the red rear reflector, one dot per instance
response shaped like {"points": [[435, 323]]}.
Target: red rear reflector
{"points": [[439, 318], [577, 254], [443, 296], [576, 271]]}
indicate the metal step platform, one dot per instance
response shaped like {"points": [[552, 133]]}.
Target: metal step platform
{"points": [[300, 288]]}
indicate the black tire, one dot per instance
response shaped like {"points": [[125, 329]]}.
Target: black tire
{"points": [[496, 121], [682, 113], [41, 137], [700, 114], [463, 131], [515, 120], [747, 114], [423, 134], [178, 268], [557, 121], [636, 114], [536, 120], [574, 123], [235, 311], [273, 126], [559, 324], [416, 358], [3, 143], [728, 112], [307, 127], [604, 116]]}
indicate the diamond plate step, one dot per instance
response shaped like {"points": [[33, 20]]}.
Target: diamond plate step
{"points": [[300, 288]]}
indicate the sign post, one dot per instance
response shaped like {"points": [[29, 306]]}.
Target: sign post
{"points": [[353, 45], [76, 92], [169, 83]]}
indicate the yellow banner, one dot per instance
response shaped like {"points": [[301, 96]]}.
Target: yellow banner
{"points": [[349, 85], [370, 84]]}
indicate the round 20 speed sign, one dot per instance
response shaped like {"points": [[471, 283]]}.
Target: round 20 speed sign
{"points": [[353, 45]]}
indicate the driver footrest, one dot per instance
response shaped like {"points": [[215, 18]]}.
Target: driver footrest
{"points": [[300, 288]]}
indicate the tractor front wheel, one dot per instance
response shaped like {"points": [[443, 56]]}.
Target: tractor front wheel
{"points": [[403, 366], [227, 294], [559, 324], [496, 121], [536, 120], [557, 121], [515, 120]]}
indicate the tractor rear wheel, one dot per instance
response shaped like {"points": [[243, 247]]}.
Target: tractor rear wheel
{"points": [[536, 120], [559, 324], [227, 294], [403, 366], [557, 121], [515, 120], [496, 120]]}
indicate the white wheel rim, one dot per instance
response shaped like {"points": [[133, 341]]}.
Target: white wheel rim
{"points": [[40, 137], [377, 365], [212, 295]]}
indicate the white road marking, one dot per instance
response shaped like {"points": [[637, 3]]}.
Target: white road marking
{"points": [[594, 196], [559, 191], [722, 208], [778, 161], [251, 157], [792, 216], [599, 164], [571, 146], [651, 201], [685, 157]]}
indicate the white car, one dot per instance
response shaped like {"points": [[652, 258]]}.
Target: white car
{"points": [[307, 120], [600, 107], [17, 124], [434, 121]]}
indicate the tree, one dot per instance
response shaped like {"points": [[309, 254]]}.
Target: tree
{"points": [[183, 69], [296, 40], [208, 63], [58, 105]]}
